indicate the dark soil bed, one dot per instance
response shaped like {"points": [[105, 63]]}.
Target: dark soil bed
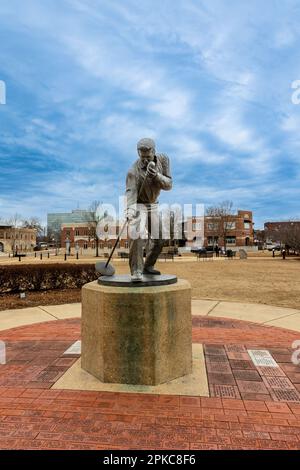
{"points": [[34, 299]]}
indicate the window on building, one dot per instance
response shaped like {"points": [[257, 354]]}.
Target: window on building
{"points": [[85, 245], [247, 225], [101, 246], [229, 225], [196, 226], [230, 240], [126, 244], [68, 233], [212, 241], [77, 232], [212, 226]]}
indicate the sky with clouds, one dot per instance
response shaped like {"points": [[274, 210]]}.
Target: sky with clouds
{"points": [[210, 81]]}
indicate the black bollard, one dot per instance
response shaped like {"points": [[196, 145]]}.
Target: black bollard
{"points": [[65, 256], [35, 254], [77, 257], [19, 258], [41, 256], [48, 255]]}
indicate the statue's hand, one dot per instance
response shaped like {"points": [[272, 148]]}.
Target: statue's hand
{"points": [[152, 170], [130, 214]]}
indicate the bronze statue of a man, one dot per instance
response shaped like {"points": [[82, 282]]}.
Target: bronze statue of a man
{"points": [[147, 177]]}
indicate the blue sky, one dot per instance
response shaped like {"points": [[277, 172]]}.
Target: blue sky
{"points": [[209, 80]]}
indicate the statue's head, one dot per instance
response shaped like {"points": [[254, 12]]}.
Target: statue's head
{"points": [[146, 150]]}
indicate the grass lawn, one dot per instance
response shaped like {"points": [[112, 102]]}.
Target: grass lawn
{"points": [[258, 279]]}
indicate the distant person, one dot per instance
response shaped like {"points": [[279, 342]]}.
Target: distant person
{"points": [[217, 251], [273, 252], [283, 253]]}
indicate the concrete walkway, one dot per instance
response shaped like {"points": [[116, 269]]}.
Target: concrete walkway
{"points": [[262, 314]]}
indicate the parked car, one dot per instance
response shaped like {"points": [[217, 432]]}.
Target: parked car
{"points": [[41, 246], [198, 250], [273, 246]]}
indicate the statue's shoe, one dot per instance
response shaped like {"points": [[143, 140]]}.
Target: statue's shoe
{"points": [[137, 276], [150, 271]]}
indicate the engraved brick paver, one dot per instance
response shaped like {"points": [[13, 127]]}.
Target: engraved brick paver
{"points": [[246, 375], [249, 407], [278, 383], [249, 386], [240, 364]]}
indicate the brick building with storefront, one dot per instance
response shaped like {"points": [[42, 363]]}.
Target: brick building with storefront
{"points": [[239, 231], [81, 237], [273, 230]]}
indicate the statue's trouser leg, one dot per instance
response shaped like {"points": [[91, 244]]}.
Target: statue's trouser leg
{"points": [[154, 225], [136, 261]]}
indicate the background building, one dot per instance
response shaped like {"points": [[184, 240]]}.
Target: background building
{"points": [[234, 230], [286, 233], [82, 236], [201, 231], [55, 220], [17, 239]]}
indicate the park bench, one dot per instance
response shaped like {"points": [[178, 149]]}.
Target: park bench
{"points": [[230, 254], [205, 256], [166, 256], [123, 255]]}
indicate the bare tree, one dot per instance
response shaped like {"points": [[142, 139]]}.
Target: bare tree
{"points": [[93, 217], [16, 222], [260, 237], [289, 235], [54, 233], [34, 223], [222, 219], [285, 233]]}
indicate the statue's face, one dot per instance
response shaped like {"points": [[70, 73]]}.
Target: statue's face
{"points": [[146, 154]]}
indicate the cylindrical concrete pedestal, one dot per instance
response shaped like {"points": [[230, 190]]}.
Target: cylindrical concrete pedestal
{"points": [[137, 335]]}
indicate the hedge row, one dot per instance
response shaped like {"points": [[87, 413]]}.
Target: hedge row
{"points": [[43, 277]]}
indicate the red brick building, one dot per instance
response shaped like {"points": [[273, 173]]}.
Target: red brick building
{"points": [[239, 230], [239, 233], [273, 228], [282, 233], [82, 236]]}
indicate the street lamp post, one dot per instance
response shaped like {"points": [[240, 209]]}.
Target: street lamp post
{"points": [[68, 247]]}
